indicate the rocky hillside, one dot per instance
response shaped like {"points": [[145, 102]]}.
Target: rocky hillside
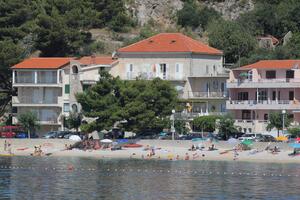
{"points": [[163, 11]]}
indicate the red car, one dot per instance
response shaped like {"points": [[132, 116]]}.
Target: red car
{"points": [[8, 131]]}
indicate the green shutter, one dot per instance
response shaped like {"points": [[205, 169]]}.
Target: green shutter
{"points": [[67, 89]]}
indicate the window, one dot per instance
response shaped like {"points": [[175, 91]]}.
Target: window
{"points": [[207, 69], [131, 67], [66, 107], [270, 74], [177, 68], [74, 69], [266, 117], [14, 109], [262, 95], [246, 114], [67, 89], [274, 95], [290, 74], [291, 95], [85, 87], [74, 108], [242, 96], [214, 67]]}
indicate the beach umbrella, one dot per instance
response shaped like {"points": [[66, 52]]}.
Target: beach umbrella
{"points": [[282, 138], [122, 140], [295, 145], [106, 141], [74, 138], [233, 141], [247, 142], [297, 139]]}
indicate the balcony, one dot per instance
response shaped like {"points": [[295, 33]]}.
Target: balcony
{"points": [[33, 102], [262, 105], [151, 75], [264, 83], [35, 78], [207, 95]]}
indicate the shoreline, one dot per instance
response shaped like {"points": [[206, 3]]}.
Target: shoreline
{"points": [[165, 150]]}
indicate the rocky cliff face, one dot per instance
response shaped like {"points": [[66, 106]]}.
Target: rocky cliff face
{"points": [[161, 11], [230, 9], [164, 11]]}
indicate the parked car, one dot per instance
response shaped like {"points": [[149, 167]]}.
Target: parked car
{"points": [[61, 134], [190, 136], [222, 136], [51, 134], [8, 131], [25, 135], [268, 138], [251, 136]]}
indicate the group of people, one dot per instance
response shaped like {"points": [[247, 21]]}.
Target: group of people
{"points": [[37, 151], [202, 147]]}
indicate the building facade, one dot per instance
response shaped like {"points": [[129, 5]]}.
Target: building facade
{"points": [[47, 87], [258, 89], [195, 69]]}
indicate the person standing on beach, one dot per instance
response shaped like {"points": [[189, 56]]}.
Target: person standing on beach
{"points": [[5, 145]]}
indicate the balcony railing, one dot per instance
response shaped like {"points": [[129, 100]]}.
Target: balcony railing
{"points": [[31, 100], [208, 94], [151, 75], [277, 80], [255, 102]]}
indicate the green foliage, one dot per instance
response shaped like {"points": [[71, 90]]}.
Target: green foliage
{"points": [[276, 121], [232, 38], [193, 15], [73, 120], [205, 123], [29, 122], [143, 104], [226, 126], [294, 131]]}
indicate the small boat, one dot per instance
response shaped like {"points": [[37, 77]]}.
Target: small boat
{"points": [[132, 145]]}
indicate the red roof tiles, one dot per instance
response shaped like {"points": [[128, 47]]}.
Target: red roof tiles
{"points": [[90, 60], [42, 63], [272, 64], [170, 42]]}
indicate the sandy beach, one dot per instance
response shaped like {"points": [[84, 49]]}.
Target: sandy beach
{"points": [[164, 150]]}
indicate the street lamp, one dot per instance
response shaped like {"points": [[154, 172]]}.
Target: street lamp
{"points": [[283, 115], [173, 124]]}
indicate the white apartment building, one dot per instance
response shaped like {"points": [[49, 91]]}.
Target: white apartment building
{"points": [[47, 87], [195, 69]]}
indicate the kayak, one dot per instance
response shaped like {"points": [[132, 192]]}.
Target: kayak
{"points": [[6, 154], [132, 145]]}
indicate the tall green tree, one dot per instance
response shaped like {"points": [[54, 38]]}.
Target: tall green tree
{"points": [[232, 38], [205, 123], [29, 122], [142, 104], [276, 121], [73, 120], [226, 126]]}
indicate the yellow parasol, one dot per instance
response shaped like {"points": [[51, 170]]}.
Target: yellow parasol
{"points": [[282, 138]]}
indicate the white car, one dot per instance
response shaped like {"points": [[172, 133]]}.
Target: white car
{"points": [[251, 136]]}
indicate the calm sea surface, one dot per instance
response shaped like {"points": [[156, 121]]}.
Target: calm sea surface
{"points": [[83, 178]]}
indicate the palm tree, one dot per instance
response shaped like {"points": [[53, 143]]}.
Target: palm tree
{"points": [[29, 122]]}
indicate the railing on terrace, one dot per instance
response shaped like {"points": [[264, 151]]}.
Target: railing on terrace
{"points": [[32, 100], [208, 94], [277, 80], [251, 121], [254, 102]]}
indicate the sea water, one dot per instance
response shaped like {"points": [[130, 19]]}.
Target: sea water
{"points": [[86, 178]]}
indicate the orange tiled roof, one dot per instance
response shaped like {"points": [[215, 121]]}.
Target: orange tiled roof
{"points": [[42, 63], [272, 64], [170, 42], [98, 60]]}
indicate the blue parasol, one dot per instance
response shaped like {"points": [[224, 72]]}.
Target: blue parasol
{"points": [[295, 145]]}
